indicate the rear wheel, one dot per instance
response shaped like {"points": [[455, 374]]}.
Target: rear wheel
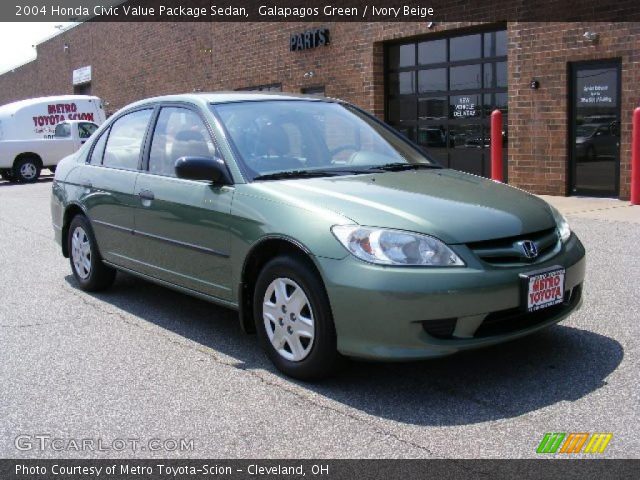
{"points": [[6, 174], [293, 319], [86, 263], [27, 169]]}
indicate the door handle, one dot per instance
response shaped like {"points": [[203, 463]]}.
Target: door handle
{"points": [[146, 195]]}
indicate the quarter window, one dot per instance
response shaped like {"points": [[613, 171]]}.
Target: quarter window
{"points": [[126, 139], [98, 149], [179, 133]]}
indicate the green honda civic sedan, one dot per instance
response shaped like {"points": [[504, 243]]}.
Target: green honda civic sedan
{"points": [[331, 234]]}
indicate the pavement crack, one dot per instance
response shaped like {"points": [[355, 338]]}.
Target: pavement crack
{"points": [[613, 207], [256, 374], [351, 416], [30, 325]]}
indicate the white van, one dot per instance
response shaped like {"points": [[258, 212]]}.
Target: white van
{"points": [[38, 117], [29, 139]]}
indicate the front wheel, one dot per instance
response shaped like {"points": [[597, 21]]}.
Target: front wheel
{"points": [[293, 319], [26, 170], [86, 263]]}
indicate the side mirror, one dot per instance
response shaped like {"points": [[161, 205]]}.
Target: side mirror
{"points": [[203, 168]]}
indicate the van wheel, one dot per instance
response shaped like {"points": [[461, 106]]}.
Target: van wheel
{"points": [[6, 174], [86, 263], [27, 169], [293, 319]]}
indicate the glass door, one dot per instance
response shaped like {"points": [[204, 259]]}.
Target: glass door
{"points": [[595, 129]]}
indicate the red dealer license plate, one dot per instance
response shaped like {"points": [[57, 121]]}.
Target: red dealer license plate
{"points": [[543, 289]]}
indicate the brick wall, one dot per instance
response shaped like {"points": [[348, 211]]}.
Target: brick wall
{"points": [[131, 61], [538, 118]]}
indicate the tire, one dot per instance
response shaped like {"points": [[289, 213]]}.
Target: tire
{"points": [[6, 174], [305, 332], [27, 169], [86, 263]]}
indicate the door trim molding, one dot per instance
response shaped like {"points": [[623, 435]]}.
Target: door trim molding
{"points": [[171, 241]]}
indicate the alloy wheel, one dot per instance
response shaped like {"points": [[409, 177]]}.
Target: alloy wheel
{"points": [[28, 171]]}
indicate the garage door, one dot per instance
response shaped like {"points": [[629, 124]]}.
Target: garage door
{"points": [[441, 92]]}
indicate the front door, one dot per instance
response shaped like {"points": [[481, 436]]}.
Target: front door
{"points": [[181, 225], [595, 129]]}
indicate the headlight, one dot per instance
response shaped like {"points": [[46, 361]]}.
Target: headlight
{"points": [[564, 231], [395, 247]]}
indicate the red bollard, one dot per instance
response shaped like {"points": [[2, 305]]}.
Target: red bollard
{"points": [[635, 158], [496, 145]]}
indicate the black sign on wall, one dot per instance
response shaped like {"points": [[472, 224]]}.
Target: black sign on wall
{"points": [[318, 37]]}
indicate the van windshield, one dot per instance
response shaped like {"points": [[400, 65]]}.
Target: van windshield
{"points": [[299, 136]]}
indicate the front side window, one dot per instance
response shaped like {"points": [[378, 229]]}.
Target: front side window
{"points": [[280, 135], [63, 130], [179, 132], [126, 139]]}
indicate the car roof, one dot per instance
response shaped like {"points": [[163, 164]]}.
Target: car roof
{"points": [[229, 97]]}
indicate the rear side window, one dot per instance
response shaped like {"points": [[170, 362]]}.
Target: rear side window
{"points": [[63, 130], [98, 149], [126, 139], [179, 132], [86, 129]]}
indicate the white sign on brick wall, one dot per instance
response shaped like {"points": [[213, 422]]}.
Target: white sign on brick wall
{"points": [[82, 75]]}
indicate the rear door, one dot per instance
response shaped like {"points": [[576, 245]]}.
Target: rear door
{"points": [[182, 233], [109, 182]]}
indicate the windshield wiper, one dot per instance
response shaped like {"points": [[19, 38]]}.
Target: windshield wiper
{"points": [[396, 167], [296, 174]]}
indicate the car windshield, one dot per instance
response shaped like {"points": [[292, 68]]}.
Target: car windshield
{"points": [[287, 138]]}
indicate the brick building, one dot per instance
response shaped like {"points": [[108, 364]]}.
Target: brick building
{"points": [[567, 90]]}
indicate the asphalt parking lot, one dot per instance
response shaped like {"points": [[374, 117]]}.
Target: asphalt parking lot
{"points": [[143, 362]]}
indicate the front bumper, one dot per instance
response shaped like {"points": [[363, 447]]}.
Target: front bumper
{"points": [[385, 312]]}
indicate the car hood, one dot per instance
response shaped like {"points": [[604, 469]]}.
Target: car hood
{"points": [[451, 205]]}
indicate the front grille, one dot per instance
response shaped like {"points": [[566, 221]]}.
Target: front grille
{"points": [[512, 320], [508, 251]]}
